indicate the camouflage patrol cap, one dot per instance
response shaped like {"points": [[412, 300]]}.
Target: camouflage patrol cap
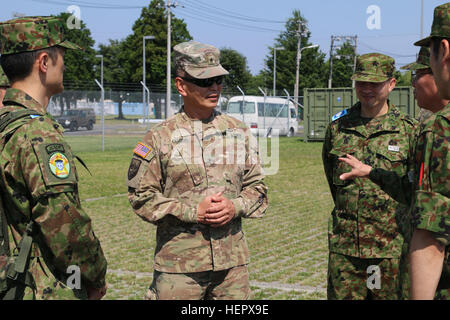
{"points": [[374, 67], [441, 25], [422, 62], [200, 61], [32, 33], [4, 82]]}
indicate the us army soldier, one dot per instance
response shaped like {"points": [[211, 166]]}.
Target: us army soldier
{"points": [[195, 176], [38, 176], [365, 233]]}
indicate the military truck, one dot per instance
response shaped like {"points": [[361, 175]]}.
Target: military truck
{"points": [[76, 118]]}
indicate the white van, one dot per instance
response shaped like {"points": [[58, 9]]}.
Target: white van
{"points": [[262, 116]]}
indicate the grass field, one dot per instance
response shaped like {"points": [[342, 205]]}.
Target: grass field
{"points": [[288, 247]]}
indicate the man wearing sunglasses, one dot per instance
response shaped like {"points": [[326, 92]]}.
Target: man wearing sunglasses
{"points": [[195, 176]]}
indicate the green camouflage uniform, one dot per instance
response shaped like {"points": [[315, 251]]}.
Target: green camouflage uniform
{"points": [[39, 180], [178, 164], [4, 82], [366, 225], [431, 209], [422, 62]]}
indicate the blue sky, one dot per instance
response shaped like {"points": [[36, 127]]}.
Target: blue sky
{"points": [[251, 26]]}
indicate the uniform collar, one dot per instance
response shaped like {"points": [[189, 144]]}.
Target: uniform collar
{"points": [[16, 96], [389, 122]]}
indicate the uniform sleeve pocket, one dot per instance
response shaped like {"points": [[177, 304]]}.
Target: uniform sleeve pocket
{"points": [[56, 164]]}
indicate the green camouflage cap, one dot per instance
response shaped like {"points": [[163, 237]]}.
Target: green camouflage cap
{"points": [[441, 25], [32, 33], [4, 82], [422, 62], [200, 61], [374, 67]]}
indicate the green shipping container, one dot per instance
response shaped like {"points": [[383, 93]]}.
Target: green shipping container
{"points": [[322, 103]]}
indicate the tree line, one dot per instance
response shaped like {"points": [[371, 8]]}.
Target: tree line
{"points": [[123, 69]]}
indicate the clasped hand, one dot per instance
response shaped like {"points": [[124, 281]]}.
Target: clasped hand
{"points": [[215, 210]]}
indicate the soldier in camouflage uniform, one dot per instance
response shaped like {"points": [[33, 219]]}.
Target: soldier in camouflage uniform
{"points": [[195, 176], [4, 84], [425, 89], [366, 232], [427, 189], [38, 179], [430, 244]]}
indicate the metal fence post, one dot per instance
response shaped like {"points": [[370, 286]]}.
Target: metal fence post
{"points": [[103, 113]]}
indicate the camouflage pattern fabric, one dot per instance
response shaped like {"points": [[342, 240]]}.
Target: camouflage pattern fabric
{"points": [[431, 209], [39, 181], [374, 67], [230, 284], [32, 33], [200, 61], [4, 82], [349, 278], [366, 222], [440, 27], [178, 163], [422, 62]]}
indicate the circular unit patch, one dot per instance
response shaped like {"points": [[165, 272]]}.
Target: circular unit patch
{"points": [[59, 165]]}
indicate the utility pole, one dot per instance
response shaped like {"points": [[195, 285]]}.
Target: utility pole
{"points": [[421, 22], [169, 50], [341, 39], [297, 71]]}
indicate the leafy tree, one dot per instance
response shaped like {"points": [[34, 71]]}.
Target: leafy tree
{"points": [[343, 62], [403, 78], [312, 71], [236, 64], [152, 22], [79, 63]]}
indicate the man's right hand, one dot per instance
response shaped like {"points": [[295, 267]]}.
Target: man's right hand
{"points": [[359, 169], [203, 206]]}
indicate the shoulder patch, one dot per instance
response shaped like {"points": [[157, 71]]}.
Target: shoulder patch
{"points": [[59, 165], [142, 150], [339, 115]]}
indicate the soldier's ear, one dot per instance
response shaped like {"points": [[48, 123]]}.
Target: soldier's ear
{"points": [[43, 61], [444, 50], [181, 86]]}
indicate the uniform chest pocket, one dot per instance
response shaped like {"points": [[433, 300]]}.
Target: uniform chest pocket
{"points": [[391, 157], [340, 167], [185, 172]]}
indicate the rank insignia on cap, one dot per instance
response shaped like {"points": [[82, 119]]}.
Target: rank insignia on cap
{"points": [[59, 165], [142, 150]]}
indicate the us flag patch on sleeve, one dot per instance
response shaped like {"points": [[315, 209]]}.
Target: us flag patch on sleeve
{"points": [[142, 150]]}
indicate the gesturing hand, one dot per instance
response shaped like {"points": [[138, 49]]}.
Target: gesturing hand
{"points": [[359, 169]]}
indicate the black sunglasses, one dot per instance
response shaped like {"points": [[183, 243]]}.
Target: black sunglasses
{"points": [[204, 83]]}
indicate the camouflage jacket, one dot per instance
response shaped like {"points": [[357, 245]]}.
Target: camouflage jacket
{"points": [[39, 181], [431, 207], [178, 163], [366, 222]]}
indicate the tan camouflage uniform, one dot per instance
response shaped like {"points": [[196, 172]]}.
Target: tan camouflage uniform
{"points": [[366, 225], [39, 180], [178, 164]]}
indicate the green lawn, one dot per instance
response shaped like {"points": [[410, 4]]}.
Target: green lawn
{"points": [[288, 247]]}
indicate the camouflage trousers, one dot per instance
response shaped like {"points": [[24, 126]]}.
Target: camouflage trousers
{"points": [[230, 284], [352, 278], [48, 288]]}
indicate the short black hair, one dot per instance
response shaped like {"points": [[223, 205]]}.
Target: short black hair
{"points": [[436, 44], [17, 66]]}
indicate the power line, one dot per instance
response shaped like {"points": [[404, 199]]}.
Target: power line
{"points": [[224, 12], [232, 26], [88, 4], [387, 52]]}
